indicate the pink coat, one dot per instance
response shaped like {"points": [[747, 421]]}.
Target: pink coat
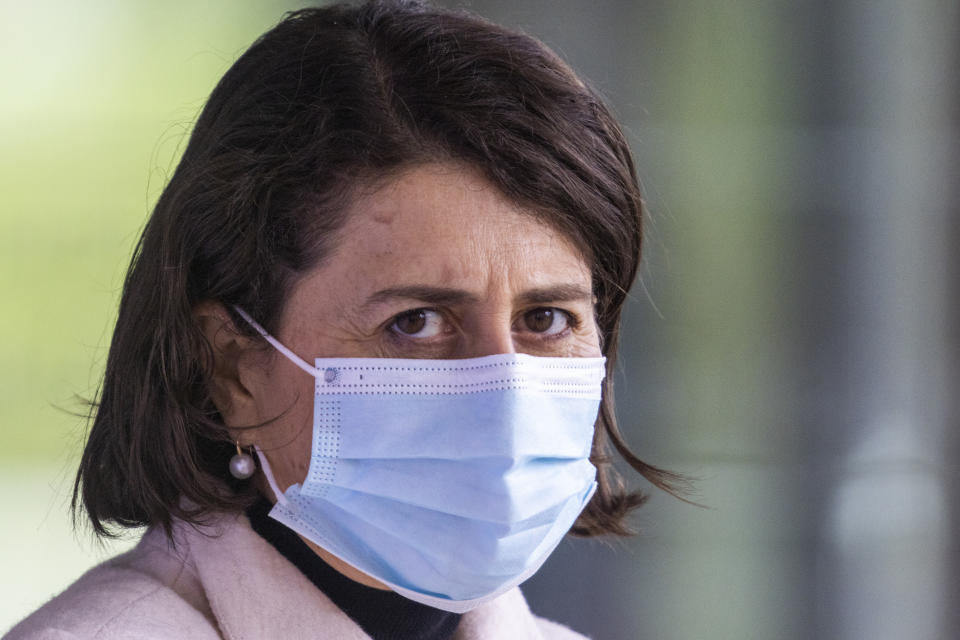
{"points": [[233, 586]]}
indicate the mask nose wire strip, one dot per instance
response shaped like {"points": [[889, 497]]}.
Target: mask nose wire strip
{"points": [[291, 356], [268, 472]]}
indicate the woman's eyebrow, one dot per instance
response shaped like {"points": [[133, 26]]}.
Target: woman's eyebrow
{"points": [[451, 296], [423, 293], [558, 293]]}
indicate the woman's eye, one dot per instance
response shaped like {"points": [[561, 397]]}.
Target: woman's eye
{"points": [[546, 321], [419, 323]]}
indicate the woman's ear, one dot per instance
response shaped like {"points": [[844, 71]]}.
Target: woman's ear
{"points": [[230, 384]]}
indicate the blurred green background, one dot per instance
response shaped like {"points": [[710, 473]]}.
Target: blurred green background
{"points": [[792, 342]]}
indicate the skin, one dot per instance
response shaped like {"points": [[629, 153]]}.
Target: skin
{"points": [[436, 263]]}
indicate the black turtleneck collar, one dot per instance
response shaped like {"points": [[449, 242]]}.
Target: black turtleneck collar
{"points": [[383, 615]]}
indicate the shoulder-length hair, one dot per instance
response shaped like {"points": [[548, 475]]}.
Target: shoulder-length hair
{"points": [[328, 101]]}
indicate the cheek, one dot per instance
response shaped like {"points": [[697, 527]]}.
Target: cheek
{"points": [[588, 344]]}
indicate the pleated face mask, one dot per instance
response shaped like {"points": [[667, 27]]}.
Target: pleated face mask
{"points": [[450, 481]]}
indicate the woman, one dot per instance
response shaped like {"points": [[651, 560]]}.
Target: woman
{"points": [[357, 385]]}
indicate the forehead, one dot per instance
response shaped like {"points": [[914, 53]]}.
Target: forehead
{"points": [[446, 222]]}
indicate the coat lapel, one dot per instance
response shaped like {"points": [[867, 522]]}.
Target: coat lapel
{"points": [[506, 618], [254, 591]]}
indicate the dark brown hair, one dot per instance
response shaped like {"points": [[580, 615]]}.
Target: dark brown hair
{"points": [[327, 101]]}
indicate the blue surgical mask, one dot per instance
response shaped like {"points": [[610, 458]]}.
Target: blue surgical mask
{"points": [[450, 481]]}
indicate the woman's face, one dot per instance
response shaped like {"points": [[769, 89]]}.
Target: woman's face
{"points": [[435, 264]]}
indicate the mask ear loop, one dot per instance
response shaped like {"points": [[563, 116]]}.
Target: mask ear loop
{"points": [[295, 359], [268, 472], [290, 355]]}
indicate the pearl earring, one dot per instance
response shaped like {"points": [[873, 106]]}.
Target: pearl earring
{"points": [[242, 465]]}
